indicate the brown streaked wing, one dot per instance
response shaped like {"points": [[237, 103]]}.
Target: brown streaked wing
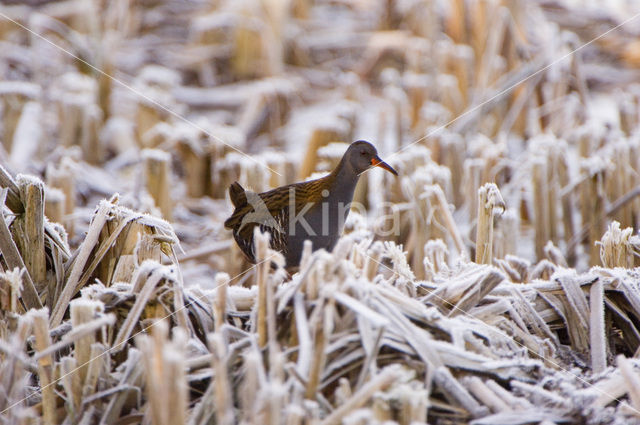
{"points": [[277, 202]]}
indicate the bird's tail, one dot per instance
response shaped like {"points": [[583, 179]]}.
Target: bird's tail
{"points": [[237, 195], [239, 200]]}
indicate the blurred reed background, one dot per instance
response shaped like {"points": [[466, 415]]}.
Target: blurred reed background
{"points": [[517, 201]]}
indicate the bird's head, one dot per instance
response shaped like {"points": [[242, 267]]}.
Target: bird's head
{"points": [[362, 155]]}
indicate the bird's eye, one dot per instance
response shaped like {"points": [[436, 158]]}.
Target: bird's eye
{"points": [[363, 153]]}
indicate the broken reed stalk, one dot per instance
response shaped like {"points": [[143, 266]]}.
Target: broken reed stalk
{"points": [[455, 22], [577, 313], [30, 235], [137, 246], [261, 246], [163, 359], [45, 365], [223, 387], [254, 370], [554, 254], [78, 333], [631, 380], [506, 235], [452, 154], [110, 245], [592, 199], [125, 266], [320, 137], [553, 160], [197, 168], [69, 115], [157, 170], [597, 330], [567, 209], [131, 377], [248, 49], [63, 178], [319, 354], [609, 390], [421, 222], [435, 260], [10, 290], [417, 86], [628, 178], [27, 138], [474, 168], [449, 221], [489, 198], [12, 106], [92, 148], [15, 369], [372, 260], [380, 382], [628, 116], [72, 386], [220, 303], [457, 393], [482, 392], [541, 211], [615, 184], [617, 247], [14, 260], [54, 205], [147, 246], [148, 277], [83, 311], [84, 251], [272, 328], [95, 371], [12, 196]]}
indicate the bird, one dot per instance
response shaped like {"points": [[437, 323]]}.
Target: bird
{"points": [[315, 210]]}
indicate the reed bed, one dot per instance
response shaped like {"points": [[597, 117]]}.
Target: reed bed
{"points": [[506, 291]]}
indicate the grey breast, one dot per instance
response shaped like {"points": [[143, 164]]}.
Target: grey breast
{"points": [[322, 224]]}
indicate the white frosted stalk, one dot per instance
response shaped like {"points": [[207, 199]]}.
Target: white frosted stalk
{"points": [[597, 332]]}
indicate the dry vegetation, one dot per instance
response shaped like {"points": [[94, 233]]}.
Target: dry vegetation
{"points": [[140, 309]]}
